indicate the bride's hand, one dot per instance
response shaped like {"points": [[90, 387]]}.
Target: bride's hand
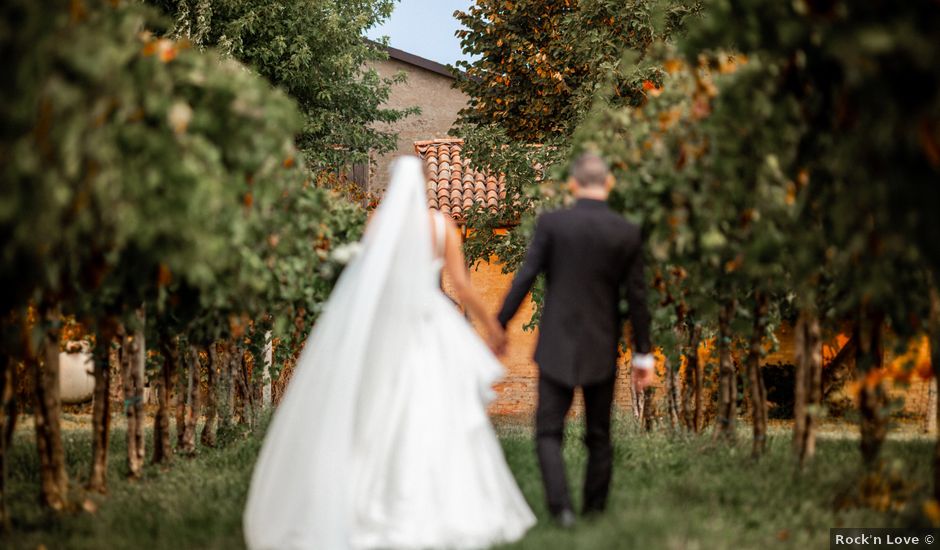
{"points": [[496, 337]]}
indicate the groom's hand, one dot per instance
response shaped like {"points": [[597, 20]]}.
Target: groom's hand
{"points": [[642, 378], [643, 371]]}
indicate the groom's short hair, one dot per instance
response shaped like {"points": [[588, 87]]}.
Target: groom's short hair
{"points": [[589, 170]]}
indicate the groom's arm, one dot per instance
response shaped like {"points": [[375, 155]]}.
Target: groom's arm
{"points": [[636, 286], [534, 263]]}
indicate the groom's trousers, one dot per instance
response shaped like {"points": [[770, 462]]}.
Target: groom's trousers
{"points": [[554, 400]]}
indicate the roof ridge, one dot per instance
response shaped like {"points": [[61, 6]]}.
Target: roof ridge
{"points": [[416, 60], [438, 140]]}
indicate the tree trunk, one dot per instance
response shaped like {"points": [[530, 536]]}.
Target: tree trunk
{"points": [[101, 412], [745, 399], [807, 386], [692, 386], [698, 370], [133, 359], [191, 399], [139, 380], [727, 379], [672, 397], [649, 408], [212, 408], [803, 353], [266, 400], [227, 388], [935, 364], [758, 391], [243, 380], [162, 449], [815, 389], [639, 399], [872, 400], [7, 425], [686, 395], [873, 397], [180, 379], [54, 480], [930, 420]]}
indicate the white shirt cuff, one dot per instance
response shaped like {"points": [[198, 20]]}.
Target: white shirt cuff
{"points": [[644, 361]]}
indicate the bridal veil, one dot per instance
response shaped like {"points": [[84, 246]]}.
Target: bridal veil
{"points": [[299, 494]]}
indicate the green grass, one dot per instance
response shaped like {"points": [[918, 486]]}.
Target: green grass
{"points": [[668, 492]]}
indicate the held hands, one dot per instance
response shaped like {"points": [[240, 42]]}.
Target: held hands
{"points": [[496, 337]]}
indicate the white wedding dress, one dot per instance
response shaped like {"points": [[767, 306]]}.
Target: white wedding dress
{"points": [[382, 438]]}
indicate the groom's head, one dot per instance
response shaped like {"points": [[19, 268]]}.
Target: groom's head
{"points": [[590, 177]]}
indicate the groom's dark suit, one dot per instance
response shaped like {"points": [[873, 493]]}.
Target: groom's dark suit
{"points": [[592, 258]]}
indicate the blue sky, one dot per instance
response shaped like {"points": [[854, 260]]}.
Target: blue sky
{"points": [[424, 28]]}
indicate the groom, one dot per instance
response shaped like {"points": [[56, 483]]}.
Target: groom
{"points": [[591, 257]]}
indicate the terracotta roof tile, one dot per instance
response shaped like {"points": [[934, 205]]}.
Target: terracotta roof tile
{"points": [[454, 186]]}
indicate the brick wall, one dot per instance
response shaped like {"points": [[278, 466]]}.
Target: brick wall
{"points": [[916, 397], [516, 392]]}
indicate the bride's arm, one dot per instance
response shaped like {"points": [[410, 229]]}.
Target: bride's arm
{"points": [[456, 269]]}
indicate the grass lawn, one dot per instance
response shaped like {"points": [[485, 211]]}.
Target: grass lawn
{"points": [[668, 492]]}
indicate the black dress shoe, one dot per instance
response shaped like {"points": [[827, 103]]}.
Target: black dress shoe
{"points": [[565, 519]]}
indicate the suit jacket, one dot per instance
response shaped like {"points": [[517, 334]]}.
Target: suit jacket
{"points": [[592, 258]]}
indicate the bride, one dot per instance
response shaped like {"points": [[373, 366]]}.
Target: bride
{"points": [[382, 438]]}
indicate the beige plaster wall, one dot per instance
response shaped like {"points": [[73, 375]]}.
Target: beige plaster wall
{"points": [[433, 94]]}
